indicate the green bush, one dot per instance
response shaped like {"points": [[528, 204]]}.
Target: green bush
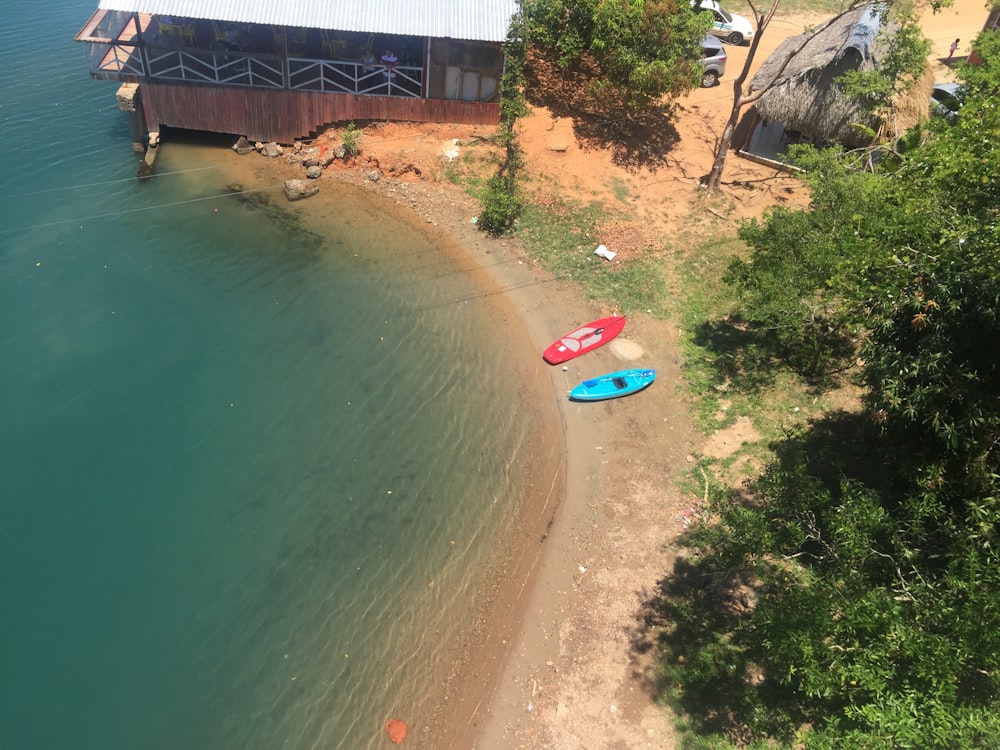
{"points": [[502, 204], [350, 140]]}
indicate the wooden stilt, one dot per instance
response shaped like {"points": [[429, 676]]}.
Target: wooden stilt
{"points": [[146, 165], [130, 102]]}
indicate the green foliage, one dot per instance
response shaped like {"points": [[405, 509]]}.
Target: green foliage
{"points": [[502, 204], [792, 286], [502, 201], [899, 67], [645, 48], [511, 88], [349, 139], [850, 597], [807, 606]]}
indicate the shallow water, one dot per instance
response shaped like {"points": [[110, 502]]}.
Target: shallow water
{"points": [[253, 458]]}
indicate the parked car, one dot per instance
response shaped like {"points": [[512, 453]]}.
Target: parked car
{"points": [[730, 27], [713, 61], [946, 100]]}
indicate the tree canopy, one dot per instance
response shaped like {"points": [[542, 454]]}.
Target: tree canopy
{"points": [[645, 49], [850, 597]]}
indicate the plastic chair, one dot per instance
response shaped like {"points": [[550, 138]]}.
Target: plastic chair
{"points": [[169, 26], [331, 44], [187, 33], [166, 27]]}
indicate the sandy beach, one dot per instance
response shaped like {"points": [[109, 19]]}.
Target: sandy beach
{"points": [[560, 656], [597, 499]]}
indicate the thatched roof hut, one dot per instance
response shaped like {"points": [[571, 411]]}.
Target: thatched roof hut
{"points": [[798, 79]]}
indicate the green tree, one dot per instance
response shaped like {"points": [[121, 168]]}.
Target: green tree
{"points": [[502, 201], [792, 286], [900, 65], [867, 555], [645, 49]]}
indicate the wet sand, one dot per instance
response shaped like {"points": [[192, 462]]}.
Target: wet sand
{"points": [[496, 270], [557, 639], [596, 498]]}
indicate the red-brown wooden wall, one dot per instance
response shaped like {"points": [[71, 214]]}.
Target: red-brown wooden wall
{"points": [[284, 116]]}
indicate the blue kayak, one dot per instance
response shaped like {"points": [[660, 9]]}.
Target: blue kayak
{"points": [[612, 385]]}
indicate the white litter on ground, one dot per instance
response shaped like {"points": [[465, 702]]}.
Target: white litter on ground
{"points": [[605, 253]]}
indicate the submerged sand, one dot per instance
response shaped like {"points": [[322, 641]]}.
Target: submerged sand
{"points": [[594, 493]]}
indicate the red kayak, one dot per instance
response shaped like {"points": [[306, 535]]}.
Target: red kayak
{"points": [[583, 339]]}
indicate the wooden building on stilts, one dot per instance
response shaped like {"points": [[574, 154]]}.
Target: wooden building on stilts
{"points": [[280, 70]]}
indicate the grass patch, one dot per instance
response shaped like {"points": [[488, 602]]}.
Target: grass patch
{"points": [[472, 168], [562, 236], [795, 7], [728, 372], [702, 300], [620, 190]]}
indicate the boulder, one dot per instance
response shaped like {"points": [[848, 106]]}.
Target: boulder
{"points": [[243, 146], [296, 190], [314, 171], [272, 150]]}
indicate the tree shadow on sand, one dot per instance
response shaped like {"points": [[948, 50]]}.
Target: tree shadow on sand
{"points": [[694, 622], [643, 139], [748, 357]]}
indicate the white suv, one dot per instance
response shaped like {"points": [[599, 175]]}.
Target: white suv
{"points": [[731, 27]]}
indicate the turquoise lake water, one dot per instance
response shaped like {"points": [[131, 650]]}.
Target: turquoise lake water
{"points": [[250, 465]]}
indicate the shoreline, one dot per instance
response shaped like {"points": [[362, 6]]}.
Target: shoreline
{"points": [[570, 661], [553, 602], [570, 620], [477, 662]]}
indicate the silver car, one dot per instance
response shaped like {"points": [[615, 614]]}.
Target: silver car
{"points": [[713, 61]]}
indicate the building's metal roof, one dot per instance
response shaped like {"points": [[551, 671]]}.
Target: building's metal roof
{"points": [[483, 20]]}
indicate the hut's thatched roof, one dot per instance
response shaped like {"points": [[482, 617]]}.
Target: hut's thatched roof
{"points": [[798, 78]]}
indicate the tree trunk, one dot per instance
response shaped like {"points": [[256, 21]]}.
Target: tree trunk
{"points": [[739, 101], [715, 176]]}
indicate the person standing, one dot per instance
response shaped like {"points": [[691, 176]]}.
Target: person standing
{"points": [[952, 48], [389, 61]]}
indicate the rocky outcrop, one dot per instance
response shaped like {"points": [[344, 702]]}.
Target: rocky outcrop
{"points": [[312, 157]]}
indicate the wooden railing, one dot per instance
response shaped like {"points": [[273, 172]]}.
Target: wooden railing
{"points": [[205, 66], [112, 43], [348, 77], [252, 69]]}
